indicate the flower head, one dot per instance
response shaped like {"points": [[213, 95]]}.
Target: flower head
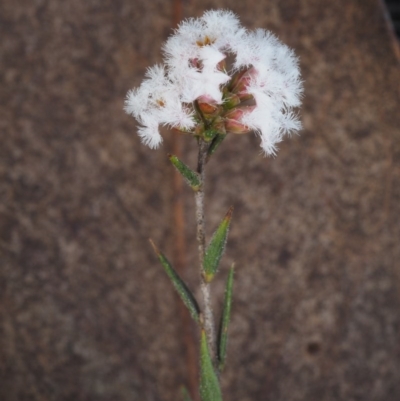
{"points": [[197, 91]]}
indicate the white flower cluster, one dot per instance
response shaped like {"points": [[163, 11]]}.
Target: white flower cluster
{"points": [[196, 89]]}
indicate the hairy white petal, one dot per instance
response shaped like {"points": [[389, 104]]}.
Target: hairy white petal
{"points": [[210, 56], [150, 135]]}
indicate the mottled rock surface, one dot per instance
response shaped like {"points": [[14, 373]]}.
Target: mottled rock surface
{"points": [[86, 312]]}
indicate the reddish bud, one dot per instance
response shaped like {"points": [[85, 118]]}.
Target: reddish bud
{"points": [[236, 78], [207, 108], [239, 112], [239, 85], [231, 101], [235, 127], [233, 119], [207, 105]]}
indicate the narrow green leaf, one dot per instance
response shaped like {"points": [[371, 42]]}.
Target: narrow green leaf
{"points": [[185, 394], [215, 144], [209, 385], [186, 295], [216, 247], [225, 318], [190, 176]]}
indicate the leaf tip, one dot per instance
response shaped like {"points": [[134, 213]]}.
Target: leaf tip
{"points": [[156, 250], [228, 215]]}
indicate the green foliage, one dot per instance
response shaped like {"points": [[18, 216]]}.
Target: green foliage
{"points": [[215, 144], [225, 319], [186, 295], [216, 247], [209, 385], [190, 176], [209, 134]]}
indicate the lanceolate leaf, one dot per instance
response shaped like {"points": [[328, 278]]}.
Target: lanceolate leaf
{"points": [[209, 385], [215, 144], [216, 247], [183, 291], [225, 319], [190, 176]]}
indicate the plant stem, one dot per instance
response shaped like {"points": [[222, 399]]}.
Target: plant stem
{"points": [[205, 287]]}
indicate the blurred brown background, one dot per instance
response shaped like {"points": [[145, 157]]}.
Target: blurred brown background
{"points": [[86, 312]]}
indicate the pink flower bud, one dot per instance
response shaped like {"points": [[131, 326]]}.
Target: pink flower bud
{"points": [[207, 105], [231, 101], [239, 112], [236, 78], [242, 81], [233, 119], [194, 62], [235, 127]]}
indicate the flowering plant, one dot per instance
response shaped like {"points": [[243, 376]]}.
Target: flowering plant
{"points": [[217, 79]]}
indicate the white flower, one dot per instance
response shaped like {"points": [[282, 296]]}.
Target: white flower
{"points": [[256, 93], [157, 102]]}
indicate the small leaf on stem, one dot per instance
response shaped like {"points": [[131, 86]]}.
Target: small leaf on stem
{"points": [[186, 295], [190, 176], [215, 144], [209, 134], [209, 385], [225, 319], [216, 247]]}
